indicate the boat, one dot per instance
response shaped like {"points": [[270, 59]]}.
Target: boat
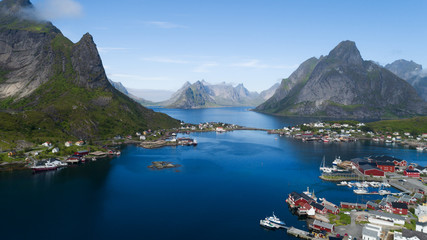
{"points": [[360, 191], [266, 224], [308, 193], [59, 163], [275, 220], [43, 166], [323, 167], [384, 192], [420, 148], [337, 161], [343, 183]]}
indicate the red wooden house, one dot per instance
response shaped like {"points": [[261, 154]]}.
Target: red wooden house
{"points": [[411, 173]]}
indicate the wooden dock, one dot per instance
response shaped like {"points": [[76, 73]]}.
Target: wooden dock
{"points": [[298, 233]]}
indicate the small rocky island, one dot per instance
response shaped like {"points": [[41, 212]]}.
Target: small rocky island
{"points": [[157, 165]]}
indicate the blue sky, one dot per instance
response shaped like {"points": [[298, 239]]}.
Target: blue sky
{"points": [[160, 44]]}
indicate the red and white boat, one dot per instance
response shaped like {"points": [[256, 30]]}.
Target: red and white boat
{"points": [[44, 166]]}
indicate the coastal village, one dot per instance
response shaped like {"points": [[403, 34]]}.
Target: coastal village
{"points": [[349, 132], [400, 215]]}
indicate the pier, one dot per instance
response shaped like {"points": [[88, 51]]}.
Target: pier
{"points": [[298, 233]]}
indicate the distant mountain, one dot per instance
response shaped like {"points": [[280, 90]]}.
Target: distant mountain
{"points": [[343, 85], [53, 88], [202, 95], [266, 94], [154, 95], [119, 86], [411, 72]]}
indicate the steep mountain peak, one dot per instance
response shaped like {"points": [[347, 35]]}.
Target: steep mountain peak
{"points": [[14, 7], [14, 4], [347, 52]]}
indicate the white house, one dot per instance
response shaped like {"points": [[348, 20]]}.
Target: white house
{"points": [[371, 232], [47, 144], [55, 150], [421, 227], [142, 138], [138, 134], [68, 144]]}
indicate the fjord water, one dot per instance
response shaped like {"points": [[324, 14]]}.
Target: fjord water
{"points": [[224, 187]]}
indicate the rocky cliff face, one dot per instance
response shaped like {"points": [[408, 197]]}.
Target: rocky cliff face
{"points": [[343, 85], [411, 72], [202, 95], [46, 76]]}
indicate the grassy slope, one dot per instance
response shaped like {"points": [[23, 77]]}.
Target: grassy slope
{"points": [[60, 110], [416, 125]]}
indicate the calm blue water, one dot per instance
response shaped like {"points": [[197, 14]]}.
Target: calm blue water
{"points": [[225, 186], [236, 115]]}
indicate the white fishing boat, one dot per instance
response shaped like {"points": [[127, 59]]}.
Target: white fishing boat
{"points": [[308, 193], [323, 167], [337, 161], [343, 183], [276, 221], [384, 192], [267, 224], [420, 148], [360, 191]]}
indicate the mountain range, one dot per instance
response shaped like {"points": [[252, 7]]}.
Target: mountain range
{"points": [[411, 72], [53, 88], [202, 95], [343, 85]]}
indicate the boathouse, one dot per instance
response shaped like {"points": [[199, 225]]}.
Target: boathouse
{"points": [[82, 153], [386, 166], [353, 205], [370, 170], [411, 173], [299, 199], [322, 226]]}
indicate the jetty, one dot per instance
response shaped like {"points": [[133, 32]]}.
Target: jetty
{"points": [[299, 233]]}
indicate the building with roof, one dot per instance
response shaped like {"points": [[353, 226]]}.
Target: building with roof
{"points": [[407, 199], [421, 227], [386, 166], [372, 205], [371, 232], [318, 208], [398, 208], [322, 226], [409, 235], [298, 199], [371, 170], [353, 205], [411, 173], [394, 218]]}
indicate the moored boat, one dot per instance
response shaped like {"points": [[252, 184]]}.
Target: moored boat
{"points": [[43, 166], [360, 191], [266, 224], [275, 220]]}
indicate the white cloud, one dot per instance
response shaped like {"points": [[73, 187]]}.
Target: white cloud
{"points": [[58, 9], [164, 60], [204, 68], [166, 25], [135, 77], [254, 63]]}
